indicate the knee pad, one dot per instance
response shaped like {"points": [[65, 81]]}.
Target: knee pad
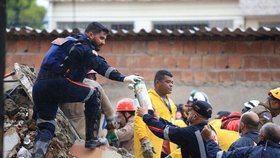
{"points": [[93, 104], [44, 135], [48, 125]]}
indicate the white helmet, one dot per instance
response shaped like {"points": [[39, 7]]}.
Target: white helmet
{"points": [[249, 105], [198, 95]]}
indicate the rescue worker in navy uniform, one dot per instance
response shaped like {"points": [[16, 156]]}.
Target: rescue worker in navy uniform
{"points": [[188, 138], [248, 129], [60, 78], [268, 146]]}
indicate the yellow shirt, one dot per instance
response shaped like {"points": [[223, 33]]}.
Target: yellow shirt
{"points": [[141, 130], [225, 137]]}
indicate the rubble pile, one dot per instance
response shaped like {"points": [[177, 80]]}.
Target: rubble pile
{"points": [[20, 128]]}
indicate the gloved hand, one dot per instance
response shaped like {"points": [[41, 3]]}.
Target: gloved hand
{"points": [[111, 125], [168, 156], [112, 138], [132, 78], [148, 150]]}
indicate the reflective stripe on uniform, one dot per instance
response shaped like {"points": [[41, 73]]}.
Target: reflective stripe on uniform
{"points": [[108, 72], [39, 120], [219, 154], [94, 52], [92, 89], [166, 133], [59, 41], [200, 144], [71, 49], [89, 94]]}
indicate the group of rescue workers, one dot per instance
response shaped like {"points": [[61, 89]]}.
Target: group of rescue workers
{"points": [[66, 80]]}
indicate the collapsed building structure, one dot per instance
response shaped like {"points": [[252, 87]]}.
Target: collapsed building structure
{"points": [[20, 128]]}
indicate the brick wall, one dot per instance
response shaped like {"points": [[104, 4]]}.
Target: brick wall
{"points": [[191, 60]]}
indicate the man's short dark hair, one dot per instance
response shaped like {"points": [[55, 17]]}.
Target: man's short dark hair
{"points": [[96, 27], [272, 132], [220, 114], [160, 75]]}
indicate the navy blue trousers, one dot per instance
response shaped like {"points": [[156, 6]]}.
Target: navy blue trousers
{"points": [[49, 93]]}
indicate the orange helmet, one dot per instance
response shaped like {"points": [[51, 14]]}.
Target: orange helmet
{"points": [[125, 104], [91, 72]]}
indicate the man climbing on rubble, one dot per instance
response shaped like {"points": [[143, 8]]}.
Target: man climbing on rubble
{"points": [[75, 111], [59, 80]]}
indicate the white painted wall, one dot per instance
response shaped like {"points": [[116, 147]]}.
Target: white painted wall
{"points": [[254, 21], [143, 13]]}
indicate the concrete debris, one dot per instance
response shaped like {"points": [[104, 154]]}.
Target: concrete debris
{"points": [[24, 153], [78, 150], [11, 108], [26, 77], [12, 140], [105, 151], [20, 128]]}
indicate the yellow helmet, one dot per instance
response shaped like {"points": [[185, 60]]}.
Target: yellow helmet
{"points": [[275, 93]]}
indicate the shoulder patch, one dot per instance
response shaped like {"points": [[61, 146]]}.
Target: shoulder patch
{"points": [[94, 52], [267, 116], [59, 41]]}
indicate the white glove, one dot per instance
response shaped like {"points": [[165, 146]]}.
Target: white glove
{"points": [[132, 78]]}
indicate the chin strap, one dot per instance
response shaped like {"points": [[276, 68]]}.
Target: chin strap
{"points": [[126, 118], [270, 108]]}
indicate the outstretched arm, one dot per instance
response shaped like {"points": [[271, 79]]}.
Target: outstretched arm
{"points": [[161, 128], [211, 146], [100, 65], [214, 150]]}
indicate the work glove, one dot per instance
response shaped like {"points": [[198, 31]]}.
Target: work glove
{"points": [[112, 138], [132, 78], [111, 125], [168, 156], [148, 150]]}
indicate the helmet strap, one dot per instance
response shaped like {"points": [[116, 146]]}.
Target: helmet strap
{"points": [[126, 118], [269, 104]]}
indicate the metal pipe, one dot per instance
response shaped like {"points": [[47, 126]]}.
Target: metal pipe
{"points": [[3, 22]]}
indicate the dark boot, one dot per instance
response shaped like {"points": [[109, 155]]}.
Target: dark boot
{"points": [[92, 141], [92, 116], [42, 142]]}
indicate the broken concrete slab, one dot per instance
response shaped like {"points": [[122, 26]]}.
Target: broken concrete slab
{"points": [[10, 108], [11, 140], [79, 150], [24, 153]]}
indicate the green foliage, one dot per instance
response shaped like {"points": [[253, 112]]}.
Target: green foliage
{"points": [[25, 13]]}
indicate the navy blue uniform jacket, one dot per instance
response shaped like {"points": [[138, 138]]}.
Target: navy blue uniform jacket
{"points": [[73, 57], [266, 149], [188, 138], [248, 139]]}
